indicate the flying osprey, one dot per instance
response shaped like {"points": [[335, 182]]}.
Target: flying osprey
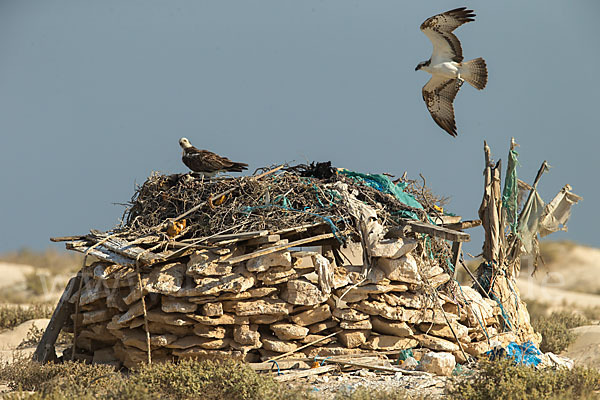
{"points": [[206, 162], [445, 65]]}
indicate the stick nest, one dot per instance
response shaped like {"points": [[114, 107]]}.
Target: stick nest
{"points": [[292, 197]]}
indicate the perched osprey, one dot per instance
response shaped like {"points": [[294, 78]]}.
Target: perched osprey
{"points": [[447, 67], [206, 162]]}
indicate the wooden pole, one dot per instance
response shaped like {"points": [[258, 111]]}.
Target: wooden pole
{"points": [[45, 349]]}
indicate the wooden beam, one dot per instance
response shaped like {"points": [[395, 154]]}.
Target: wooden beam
{"points": [[283, 365], [126, 249], [445, 219], [82, 246], [273, 249], [304, 373], [263, 240], [433, 230], [373, 367], [238, 236], [45, 350], [66, 238], [456, 250], [459, 226], [299, 229]]}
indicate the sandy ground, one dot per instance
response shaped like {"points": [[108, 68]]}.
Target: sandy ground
{"points": [[13, 284], [586, 349], [11, 338], [573, 268], [13, 274], [570, 282], [555, 297]]}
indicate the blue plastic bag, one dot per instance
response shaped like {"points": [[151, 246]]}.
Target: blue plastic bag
{"points": [[525, 354]]}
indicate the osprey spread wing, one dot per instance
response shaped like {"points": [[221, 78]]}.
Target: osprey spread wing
{"points": [[207, 162], [446, 66]]}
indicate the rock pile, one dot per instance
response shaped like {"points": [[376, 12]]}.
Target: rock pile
{"points": [[246, 301]]}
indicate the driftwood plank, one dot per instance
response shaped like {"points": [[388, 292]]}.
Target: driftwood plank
{"points": [[99, 252], [282, 364], [459, 226], [304, 373], [445, 219], [359, 364], [238, 236], [263, 240], [273, 249], [126, 249], [45, 350], [299, 229], [456, 249], [433, 230], [66, 238]]}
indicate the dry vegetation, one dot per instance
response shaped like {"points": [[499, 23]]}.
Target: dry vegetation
{"points": [[231, 380], [504, 380], [11, 316], [188, 379]]}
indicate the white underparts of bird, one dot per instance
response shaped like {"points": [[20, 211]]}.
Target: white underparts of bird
{"points": [[206, 162], [446, 66]]}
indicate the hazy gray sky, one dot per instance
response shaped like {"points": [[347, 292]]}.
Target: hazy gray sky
{"points": [[95, 94]]}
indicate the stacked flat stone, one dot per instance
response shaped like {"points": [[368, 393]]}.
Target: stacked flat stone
{"points": [[277, 303]]}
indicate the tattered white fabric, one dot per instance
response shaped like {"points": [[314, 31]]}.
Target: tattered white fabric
{"points": [[557, 212], [530, 219], [324, 272]]}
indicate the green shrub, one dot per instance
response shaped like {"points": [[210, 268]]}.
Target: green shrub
{"points": [[207, 380], [210, 380], [504, 380], [556, 330], [11, 316], [71, 378]]}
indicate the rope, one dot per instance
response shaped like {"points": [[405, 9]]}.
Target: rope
{"points": [[143, 299], [275, 364], [323, 361], [475, 314]]}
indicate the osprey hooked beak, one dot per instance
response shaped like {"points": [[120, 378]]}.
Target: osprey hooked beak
{"points": [[423, 64]]}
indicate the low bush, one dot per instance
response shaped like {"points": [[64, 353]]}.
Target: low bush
{"points": [[504, 380], [208, 380], [11, 316], [556, 329]]}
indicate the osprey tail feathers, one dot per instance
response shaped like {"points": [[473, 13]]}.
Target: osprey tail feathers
{"points": [[475, 72], [237, 167]]}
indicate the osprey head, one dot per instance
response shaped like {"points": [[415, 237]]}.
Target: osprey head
{"points": [[423, 64], [184, 143]]}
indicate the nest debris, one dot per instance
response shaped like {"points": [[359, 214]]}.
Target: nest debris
{"points": [[290, 198]]}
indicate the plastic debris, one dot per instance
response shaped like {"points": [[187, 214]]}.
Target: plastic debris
{"points": [[525, 354]]}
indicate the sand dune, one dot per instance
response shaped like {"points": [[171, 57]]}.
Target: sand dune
{"points": [[14, 274]]}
